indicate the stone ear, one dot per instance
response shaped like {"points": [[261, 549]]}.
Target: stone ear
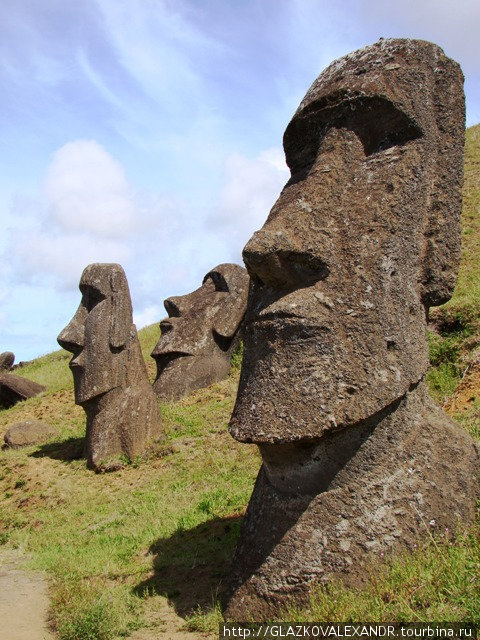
{"points": [[121, 316], [440, 263], [441, 251], [230, 316]]}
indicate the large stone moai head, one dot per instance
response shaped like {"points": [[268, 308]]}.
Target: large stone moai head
{"points": [[201, 333], [362, 240], [110, 377]]}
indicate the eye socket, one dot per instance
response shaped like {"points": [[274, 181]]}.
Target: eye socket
{"points": [[218, 280], [91, 297], [376, 121], [171, 308]]}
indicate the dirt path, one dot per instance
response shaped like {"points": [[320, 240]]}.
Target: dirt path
{"points": [[24, 605], [165, 624], [23, 600]]}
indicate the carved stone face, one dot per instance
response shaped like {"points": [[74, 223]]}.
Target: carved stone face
{"points": [[346, 265], [198, 335], [98, 332]]}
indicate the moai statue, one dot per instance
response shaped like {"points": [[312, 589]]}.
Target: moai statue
{"points": [[201, 332], [364, 238], [7, 358], [109, 373]]}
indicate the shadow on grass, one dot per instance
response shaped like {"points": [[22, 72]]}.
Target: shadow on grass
{"points": [[66, 450], [190, 567]]}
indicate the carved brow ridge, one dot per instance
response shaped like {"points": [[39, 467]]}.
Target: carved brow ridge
{"points": [[91, 295], [375, 120], [218, 280]]}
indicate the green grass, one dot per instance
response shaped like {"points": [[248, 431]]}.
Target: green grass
{"points": [[438, 581], [470, 419], [457, 322], [99, 536], [447, 362], [467, 293], [50, 370], [84, 611]]}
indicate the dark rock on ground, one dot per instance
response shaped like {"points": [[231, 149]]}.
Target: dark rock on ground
{"points": [[28, 432], [13, 389]]}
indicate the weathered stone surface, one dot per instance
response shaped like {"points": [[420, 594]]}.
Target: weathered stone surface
{"points": [[109, 373], [7, 358], [201, 333], [13, 389], [363, 239], [28, 432]]}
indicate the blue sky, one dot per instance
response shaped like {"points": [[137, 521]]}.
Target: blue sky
{"points": [[148, 132]]}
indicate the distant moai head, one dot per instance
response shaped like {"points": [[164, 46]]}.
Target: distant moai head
{"points": [[362, 240], [200, 333], [7, 358], [99, 332]]}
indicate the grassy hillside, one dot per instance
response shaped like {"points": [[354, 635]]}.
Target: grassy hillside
{"points": [[116, 544], [455, 340], [159, 535]]}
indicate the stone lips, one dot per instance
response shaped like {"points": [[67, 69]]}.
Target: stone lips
{"points": [[201, 333], [110, 375], [365, 236]]}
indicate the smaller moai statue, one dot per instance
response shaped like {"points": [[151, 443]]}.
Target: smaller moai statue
{"points": [[201, 333], [109, 373]]}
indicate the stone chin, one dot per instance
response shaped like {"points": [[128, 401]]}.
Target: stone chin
{"points": [[314, 380], [86, 389], [180, 373]]}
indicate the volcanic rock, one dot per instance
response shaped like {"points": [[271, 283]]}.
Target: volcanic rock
{"points": [[7, 358], [364, 238], [109, 373], [201, 333], [28, 432], [13, 389]]}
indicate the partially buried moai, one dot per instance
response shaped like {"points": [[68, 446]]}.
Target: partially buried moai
{"points": [[201, 333], [109, 373], [363, 239]]}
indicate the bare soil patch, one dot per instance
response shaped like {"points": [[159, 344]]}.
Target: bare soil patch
{"points": [[467, 392], [23, 600]]}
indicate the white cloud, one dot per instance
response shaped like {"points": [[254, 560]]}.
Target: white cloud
{"points": [[251, 187], [89, 213], [87, 191], [185, 95], [63, 256], [86, 213], [160, 49]]}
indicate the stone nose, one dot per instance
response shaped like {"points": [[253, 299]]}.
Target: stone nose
{"points": [[72, 337], [277, 260], [174, 306]]}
